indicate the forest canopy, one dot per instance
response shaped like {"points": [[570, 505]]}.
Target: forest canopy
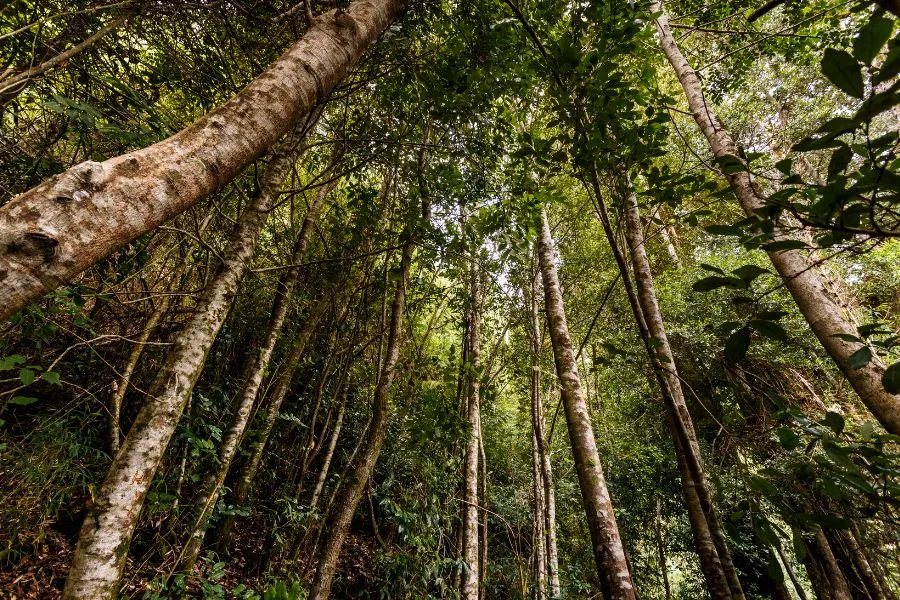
{"points": [[471, 299]]}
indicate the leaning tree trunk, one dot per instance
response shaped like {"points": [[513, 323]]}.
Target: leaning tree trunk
{"points": [[470, 578], [696, 487], [821, 553], [54, 231], [332, 444], [363, 465], [539, 547], [803, 280], [212, 486], [543, 445], [609, 553], [106, 534], [115, 404]]}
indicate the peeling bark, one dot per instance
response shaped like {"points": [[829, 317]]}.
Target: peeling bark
{"points": [[54, 231], [609, 553], [805, 282]]}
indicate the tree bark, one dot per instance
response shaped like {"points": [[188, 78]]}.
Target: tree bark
{"points": [[862, 566], [822, 554], [792, 574], [661, 550], [106, 534], [54, 231], [470, 577], [539, 556], [609, 554], [332, 444], [364, 463], [681, 425], [212, 486], [115, 404], [803, 280]]}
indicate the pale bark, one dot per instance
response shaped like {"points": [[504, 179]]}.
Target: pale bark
{"points": [[680, 421], [539, 556], [214, 481], [57, 229], [822, 553], [106, 534], [606, 543], [115, 403], [332, 444], [470, 577], [543, 445], [801, 277], [363, 465]]}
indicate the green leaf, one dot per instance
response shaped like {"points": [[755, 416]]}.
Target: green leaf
{"points": [[891, 379], [51, 377], [872, 37], [866, 430], [788, 438], [770, 329], [784, 245], [748, 273], [798, 543], [737, 345], [834, 421], [843, 71], [860, 358], [839, 161], [708, 284], [26, 376], [8, 363], [723, 230], [23, 400]]}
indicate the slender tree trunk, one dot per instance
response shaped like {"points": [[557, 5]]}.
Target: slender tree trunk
{"points": [[364, 464], [57, 229], [681, 424], [803, 280], [606, 542], [332, 444], [817, 578], [792, 574], [470, 577], [282, 385], [115, 404], [539, 556], [862, 566], [823, 555], [212, 486], [543, 446], [661, 549], [106, 534]]}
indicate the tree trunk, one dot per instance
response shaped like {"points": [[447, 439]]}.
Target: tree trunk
{"points": [[792, 574], [212, 486], [606, 543], [539, 556], [681, 425], [54, 231], [821, 551], [862, 566], [364, 463], [332, 444], [106, 534], [803, 280], [543, 444], [470, 576], [115, 404], [661, 550]]}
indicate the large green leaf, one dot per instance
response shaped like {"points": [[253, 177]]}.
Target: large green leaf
{"points": [[843, 71], [872, 37]]}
